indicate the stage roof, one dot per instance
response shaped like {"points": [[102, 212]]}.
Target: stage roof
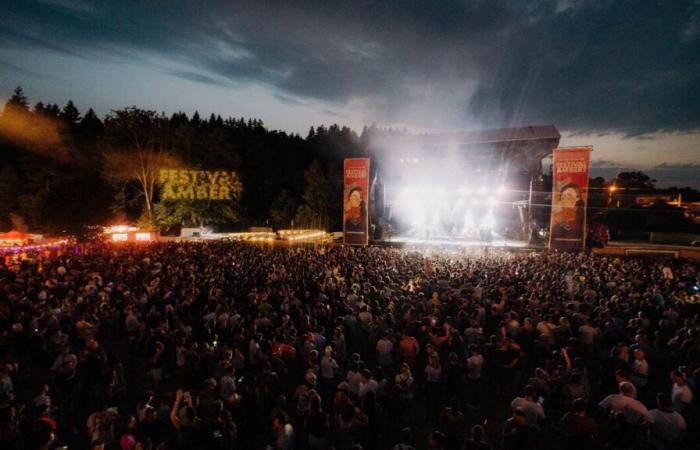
{"points": [[521, 148], [495, 136]]}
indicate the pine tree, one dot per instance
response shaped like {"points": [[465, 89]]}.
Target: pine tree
{"points": [[90, 127], [18, 99], [70, 114], [17, 103], [52, 110], [39, 109]]}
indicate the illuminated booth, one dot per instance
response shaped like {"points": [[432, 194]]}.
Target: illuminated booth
{"points": [[14, 237], [125, 233], [479, 185]]}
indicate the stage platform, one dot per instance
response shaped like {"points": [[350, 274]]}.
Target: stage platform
{"points": [[457, 243]]}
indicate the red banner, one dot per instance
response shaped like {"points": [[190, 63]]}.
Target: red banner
{"points": [[567, 231], [355, 199]]}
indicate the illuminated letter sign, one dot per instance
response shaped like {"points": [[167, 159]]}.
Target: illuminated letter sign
{"points": [[182, 184]]}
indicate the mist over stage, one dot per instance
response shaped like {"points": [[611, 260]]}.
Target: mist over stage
{"points": [[487, 186]]}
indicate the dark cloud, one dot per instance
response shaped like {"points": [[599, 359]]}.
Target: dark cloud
{"points": [[630, 66], [196, 77], [9, 67], [604, 164]]}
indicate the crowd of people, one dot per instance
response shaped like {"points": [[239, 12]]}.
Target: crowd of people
{"points": [[226, 345]]}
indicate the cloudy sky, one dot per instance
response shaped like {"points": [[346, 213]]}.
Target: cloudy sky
{"points": [[621, 75]]}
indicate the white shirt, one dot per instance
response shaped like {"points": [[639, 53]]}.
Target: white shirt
{"points": [[633, 410], [328, 366], [681, 396], [532, 410]]}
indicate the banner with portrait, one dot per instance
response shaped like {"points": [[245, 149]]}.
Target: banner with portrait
{"points": [[355, 199], [567, 232]]}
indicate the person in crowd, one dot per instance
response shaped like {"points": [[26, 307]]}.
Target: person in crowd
{"points": [[409, 348], [475, 362], [681, 394], [640, 372], [634, 411], [328, 366], [317, 425], [530, 406], [579, 432], [517, 434], [476, 439], [667, 425], [284, 433]]}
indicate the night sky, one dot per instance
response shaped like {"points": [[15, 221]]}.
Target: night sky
{"points": [[622, 75]]}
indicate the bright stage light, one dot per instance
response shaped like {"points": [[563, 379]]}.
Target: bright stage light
{"points": [[489, 222], [418, 220], [468, 220], [439, 208]]}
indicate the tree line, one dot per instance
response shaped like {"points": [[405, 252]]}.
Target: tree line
{"points": [[62, 169]]}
